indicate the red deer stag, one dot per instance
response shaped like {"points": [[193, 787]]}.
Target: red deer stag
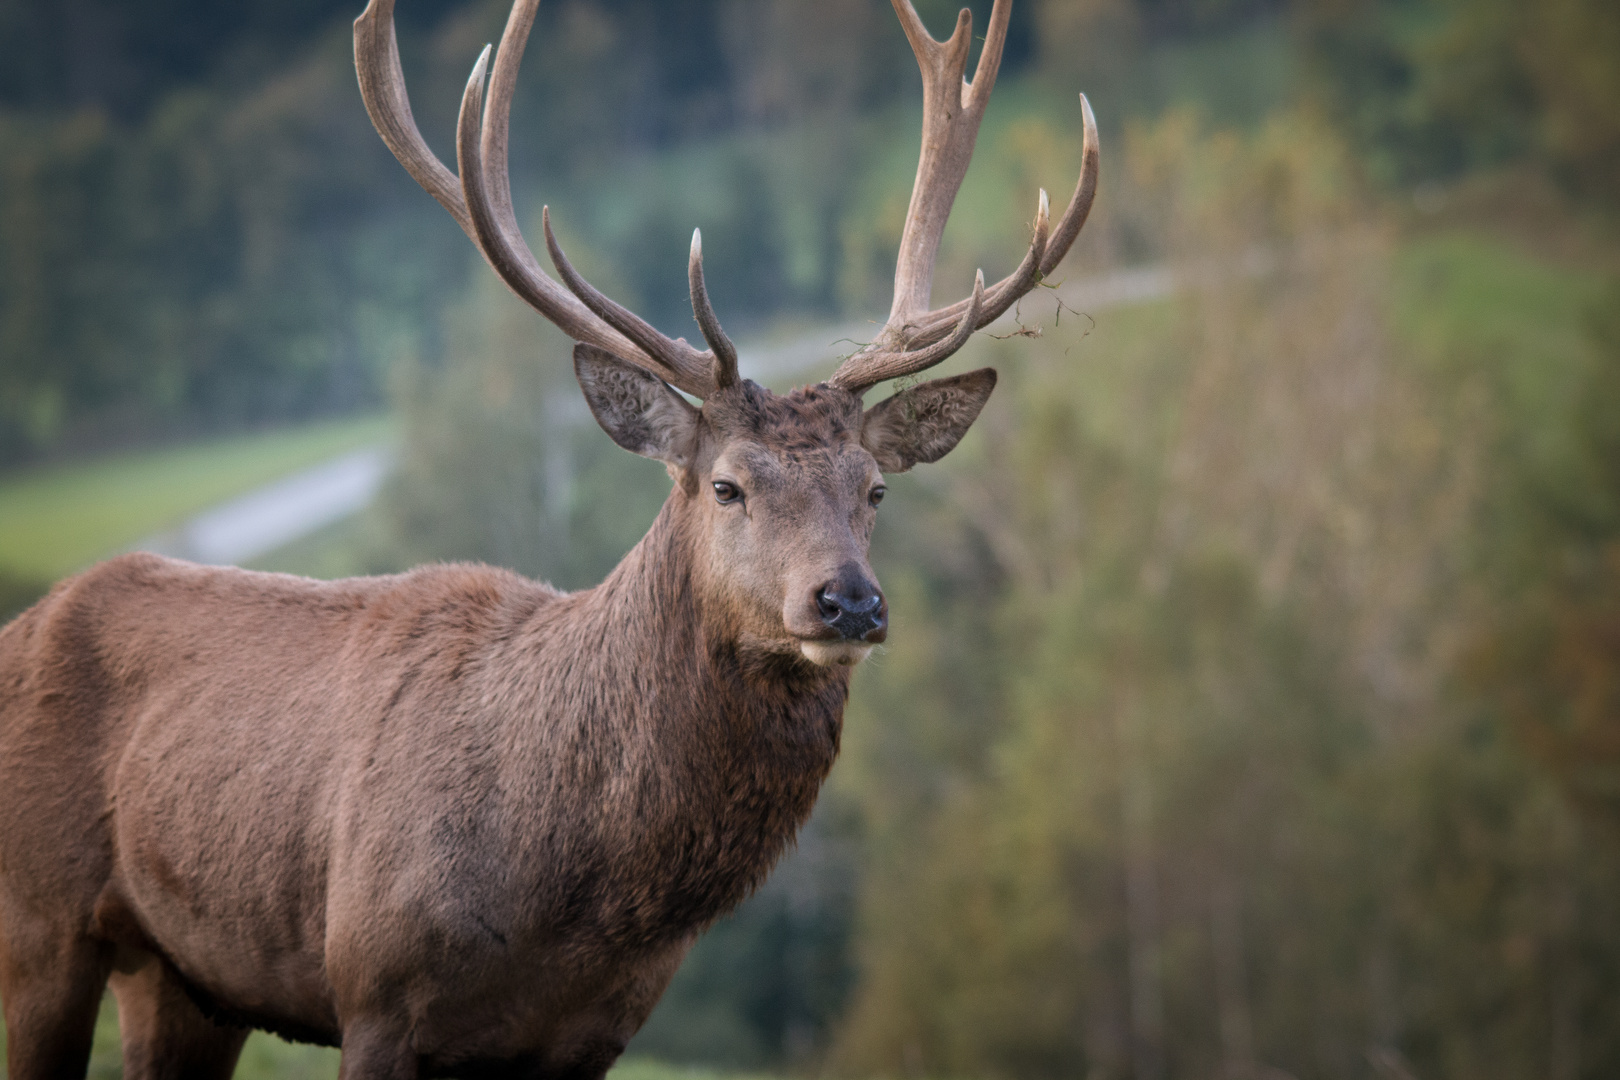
{"points": [[455, 821]]}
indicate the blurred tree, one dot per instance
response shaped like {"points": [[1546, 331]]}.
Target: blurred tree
{"points": [[61, 296], [204, 231], [794, 61], [1103, 39], [123, 57], [1551, 658], [502, 462], [1218, 813], [1435, 88], [221, 263]]}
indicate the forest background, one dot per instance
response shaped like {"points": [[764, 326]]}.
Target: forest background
{"points": [[1253, 702]]}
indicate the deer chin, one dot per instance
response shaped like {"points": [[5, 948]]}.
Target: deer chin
{"points": [[822, 652], [834, 653]]}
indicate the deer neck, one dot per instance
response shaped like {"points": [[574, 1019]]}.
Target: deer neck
{"points": [[719, 685], [711, 757]]}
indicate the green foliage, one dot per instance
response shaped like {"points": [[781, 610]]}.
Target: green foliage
{"points": [[1171, 780], [1234, 61], [1519, 331], [644, 1068], [1436, 88], [223, 262], [1546, 657], [18, 593], [502, 462], [124, 57]]}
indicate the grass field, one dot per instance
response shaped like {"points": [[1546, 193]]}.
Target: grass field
{"points": [[54, 521]]}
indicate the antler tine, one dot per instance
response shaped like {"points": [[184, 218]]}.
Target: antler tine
{"points": [[591, 317], [494, 137], [1010, 289], [952, 110], [867, 369], [678, 363], [502, 245], [1000, 296], [1085, 192], [382, 86], [481, 203], [725, 353]]}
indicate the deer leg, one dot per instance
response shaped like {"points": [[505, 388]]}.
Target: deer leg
{"points": [[165, 1035], [52, 991], [377, 1050], [592, 1064]]}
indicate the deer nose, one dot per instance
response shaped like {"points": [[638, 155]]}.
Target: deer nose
{"points": [[852, 604]]}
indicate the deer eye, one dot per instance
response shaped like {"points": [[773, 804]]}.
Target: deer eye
{"points": [[877, 494], [726, 492]]}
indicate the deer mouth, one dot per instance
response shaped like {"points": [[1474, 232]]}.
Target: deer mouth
{"points": [[834, 652]]}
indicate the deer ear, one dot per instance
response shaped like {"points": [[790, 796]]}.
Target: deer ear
{"points": [[635, 407], [925, 422]]}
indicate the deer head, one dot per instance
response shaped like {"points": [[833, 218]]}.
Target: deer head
{"points": [[775, 496]]}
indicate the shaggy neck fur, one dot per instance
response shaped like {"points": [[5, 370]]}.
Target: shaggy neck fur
{"points": [[702, 759]]}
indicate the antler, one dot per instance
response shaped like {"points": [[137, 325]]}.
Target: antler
{"points": [[481, 202], [915, 338]]}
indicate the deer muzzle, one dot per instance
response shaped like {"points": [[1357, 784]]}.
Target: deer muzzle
{"points": [[853, 605]]}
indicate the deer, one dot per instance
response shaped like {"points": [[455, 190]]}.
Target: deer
{"points": [[455, 821]]}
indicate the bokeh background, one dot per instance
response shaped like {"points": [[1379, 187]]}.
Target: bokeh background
{"points": [[1252, 708]]}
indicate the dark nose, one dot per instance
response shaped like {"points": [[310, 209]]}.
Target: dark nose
{"points": [[853, 605]]}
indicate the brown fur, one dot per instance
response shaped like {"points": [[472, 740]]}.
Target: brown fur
{"points": [[454, 820]]}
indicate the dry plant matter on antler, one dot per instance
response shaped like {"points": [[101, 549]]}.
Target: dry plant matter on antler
{"points": [[456, 821]]}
